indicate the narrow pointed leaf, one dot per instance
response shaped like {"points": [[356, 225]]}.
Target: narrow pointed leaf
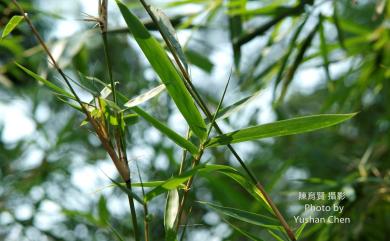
{"points": [[178, 139], [324, 49], [11, 25], [166, 27], [171, 211], [227, 111], [199, 60], [145, 96], [103, 211], [245, 216], [297, 61], [280, 128], [127, 191], [235, 29], [245, 233], [300, 230], [248, 186], [165, 69], [288, 52], [175, 182], [49, 84]]}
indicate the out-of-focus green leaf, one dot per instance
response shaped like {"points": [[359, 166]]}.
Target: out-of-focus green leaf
{"points": [[103, 212], [340, 32], [273, 9], [297, 61], [235, 28], [145, 96], [199, 60], [276, 236], [84, 215], [280, 128], [288, 53], [245, 233], [163, 66], [130, 119], [300, 230], [178, 139], [324, 50], [11, 25], [170, 215], [245, 216]]}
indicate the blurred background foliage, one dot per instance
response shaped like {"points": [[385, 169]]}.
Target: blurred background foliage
{"points": [[294, 57]]}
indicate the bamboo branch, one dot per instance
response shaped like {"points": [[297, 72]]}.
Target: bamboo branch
{"points": [[118, 132], [191, 88]]}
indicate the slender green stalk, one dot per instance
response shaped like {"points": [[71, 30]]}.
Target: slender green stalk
{"points": [[145, 206], [191, 88], [132, 209], [184, 154], [197, 159], [195, 162], [118, 132]]}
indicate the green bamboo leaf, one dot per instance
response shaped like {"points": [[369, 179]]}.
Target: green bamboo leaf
{"points": [[145, 96], [11, 25], [171, 211], [136, 184], [245, 233], [276, 236], [165, 69], [168, 30], [199, 60], [235, 28], [280, 128], [229, 110], [290, 49], [300, 230], [103, 212], [247, 185], [127, 191], [245, 216], [175, 182], [324, 50], [340, 32], [178, 139], [297, 61], [49, 84]]}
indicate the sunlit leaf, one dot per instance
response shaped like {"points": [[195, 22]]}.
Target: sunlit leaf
{"points": [[245, 233], [170, 215], [280, 128], [245, 216], [145, 96], [165, 69], [11, 25], [49, 84]]}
